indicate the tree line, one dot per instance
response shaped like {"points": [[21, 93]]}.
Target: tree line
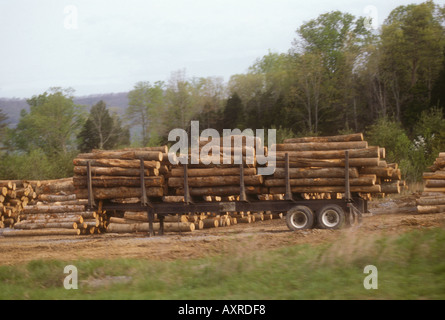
{"points": [[338, 76]]}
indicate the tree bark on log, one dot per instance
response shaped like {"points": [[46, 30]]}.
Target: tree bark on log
{"points": [[46, 225], [119, 193], [143, 227], [431, 201], [113, 171], [220, 191], [370, 152], [321, 146], [123, 155], [116, 163], [298, 173], [52, 209], [208, 172], [41, 232], [326, 189], [361, 181], [339, 138], [327, 163], [178, 182], [112, 181]]}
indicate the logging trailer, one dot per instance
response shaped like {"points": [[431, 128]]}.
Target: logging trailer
{"points": [[300, 213]]}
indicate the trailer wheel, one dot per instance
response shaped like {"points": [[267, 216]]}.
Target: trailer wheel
{"points": [[331, 217], [300, 218]]}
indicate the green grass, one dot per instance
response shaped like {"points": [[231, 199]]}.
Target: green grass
{"points": [[410, 266]]}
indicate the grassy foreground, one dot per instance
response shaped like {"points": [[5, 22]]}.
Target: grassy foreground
{"points": [[410, 266]]}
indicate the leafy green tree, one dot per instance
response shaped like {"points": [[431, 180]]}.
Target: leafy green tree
{"points": [[412, 44], [146, 105], [51, 124], [102, 130], [3, 127]]}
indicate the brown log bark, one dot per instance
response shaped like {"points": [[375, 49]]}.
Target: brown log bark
{"points": [[220, 191], [46, 225], [163, 149], [113, 181], [431, 209], [361, 181], [56, 186], [52, 209], [326, 163], [178, 182], [321, 146], [438, 175], [206, 172], [210, 223], [326, 189], [56, 198], [41, 232], [143, 227], [371, 152], [392, 187], [431, 201], [123, 155], [119, 193], [116, 163], [111, 171], [433, 183], [378, 171], [338, 138], [298, 173]]}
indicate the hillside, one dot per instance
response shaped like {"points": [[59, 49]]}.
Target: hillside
{"points": [[115, 101]]}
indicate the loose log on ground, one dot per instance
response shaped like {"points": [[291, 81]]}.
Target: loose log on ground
{"points": [[430, 209], [41, 232], [431, 201], [144, 227], [46, 225]]}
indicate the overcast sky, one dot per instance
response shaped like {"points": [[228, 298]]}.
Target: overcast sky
{"points": [[102, 46]]}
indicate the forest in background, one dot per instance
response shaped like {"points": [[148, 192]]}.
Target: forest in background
{"points": [[339, 76]]}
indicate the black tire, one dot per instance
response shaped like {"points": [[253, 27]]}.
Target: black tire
{"points": [[300, 218], [331, 217]]}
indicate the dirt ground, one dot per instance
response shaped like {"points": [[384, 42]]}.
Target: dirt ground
{"points": [[390, 216]]}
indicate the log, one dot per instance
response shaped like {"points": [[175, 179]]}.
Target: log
{"points": [[163, 149], [116, 163], [433, 183], [361, 181], [210, 223], [339, 138], [392, 187], [321, 146], [178, 182], [119, 193], [41, 232], [326, 163], [143, 227], [208, 172], [55, 186], [68, 215], [431, 209], [124, 155], [52, 209], [112, 171], [220, 191], [46, 225], [370, 152], [298, 173], [431, 201], [326, 189], [76, 219], [56, 198], [379, 171], [112, 181], [438, 175]]}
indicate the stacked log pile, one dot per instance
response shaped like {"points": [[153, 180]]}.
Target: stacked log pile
{"points": [[317, 167], [55, 211], [14, 196], [215, 171], [432, 199], [116, 174]]}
